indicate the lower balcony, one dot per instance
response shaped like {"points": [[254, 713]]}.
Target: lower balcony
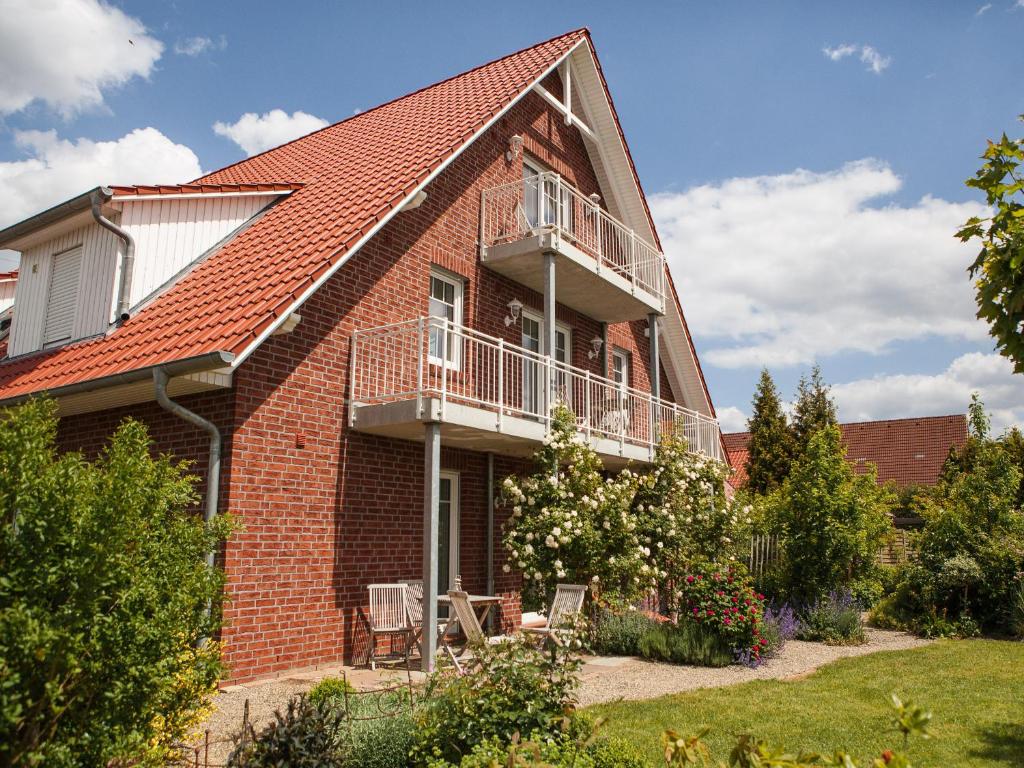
{"points": [[489, 395]]}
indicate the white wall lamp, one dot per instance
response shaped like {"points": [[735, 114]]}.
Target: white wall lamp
{"points": [[596, 343], [515, 148], [515, 308]]}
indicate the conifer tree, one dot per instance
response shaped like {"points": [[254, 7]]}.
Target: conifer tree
{"points": [[814, 409], [770, 450]]}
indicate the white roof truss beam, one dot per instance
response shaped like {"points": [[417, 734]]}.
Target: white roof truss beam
{"points": [[566, 107]]}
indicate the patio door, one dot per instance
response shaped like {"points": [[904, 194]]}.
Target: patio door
{"points": [[532, 392], [533, 370], [447, 533], [541, 199]]}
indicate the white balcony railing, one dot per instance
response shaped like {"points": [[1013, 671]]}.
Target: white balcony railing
{"points": [[432, 357], [546, 202]]}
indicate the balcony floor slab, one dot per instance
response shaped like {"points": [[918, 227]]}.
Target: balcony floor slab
{"points": [[478, 429], [580, 283]]}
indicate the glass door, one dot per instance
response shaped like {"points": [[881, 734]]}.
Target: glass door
{"points": [[532, 400], [447, 534]]}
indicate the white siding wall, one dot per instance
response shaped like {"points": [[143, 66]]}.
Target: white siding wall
{"points": [[99, 254], [169, 235]]}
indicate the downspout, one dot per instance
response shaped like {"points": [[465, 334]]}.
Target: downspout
{"points": [[124, 289], [160, 379]]}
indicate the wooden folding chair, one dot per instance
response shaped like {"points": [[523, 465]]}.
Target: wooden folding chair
{"points": [[466, 616], [568, 602], [389, 616]]}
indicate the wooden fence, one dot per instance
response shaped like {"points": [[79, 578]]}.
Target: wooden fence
{"points": [[767, 548]]}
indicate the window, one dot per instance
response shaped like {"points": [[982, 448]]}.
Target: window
{"points": [[620, 367], [62, 297], [539, 199], [445, 302]]}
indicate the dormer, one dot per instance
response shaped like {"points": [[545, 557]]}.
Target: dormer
{"points": [[92, 261]]}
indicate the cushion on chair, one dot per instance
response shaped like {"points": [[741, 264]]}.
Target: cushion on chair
{"points": [[533, 620]]}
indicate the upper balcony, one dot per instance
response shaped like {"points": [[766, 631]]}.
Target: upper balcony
{"points": [[493, 396], [603, 269]]}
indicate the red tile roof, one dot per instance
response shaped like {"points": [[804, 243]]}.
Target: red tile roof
{"points": [[909, 451], [353, 174], [12, 275]]}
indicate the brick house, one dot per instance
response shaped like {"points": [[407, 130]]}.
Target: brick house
{"points": [[358, 334]]}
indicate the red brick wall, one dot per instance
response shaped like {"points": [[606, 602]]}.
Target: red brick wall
{"points": [[325, 510]]}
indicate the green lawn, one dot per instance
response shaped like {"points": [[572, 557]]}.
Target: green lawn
{"points": [[974, 688]]}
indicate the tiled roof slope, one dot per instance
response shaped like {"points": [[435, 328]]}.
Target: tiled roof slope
{"points": [[909, 451], [353, 173]]}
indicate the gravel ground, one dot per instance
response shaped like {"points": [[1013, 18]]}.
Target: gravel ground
{"points": [[608, 679], [604, 679]]}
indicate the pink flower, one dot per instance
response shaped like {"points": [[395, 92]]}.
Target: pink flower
{"points": [[727, 621], [689, 579], [695, 611]]}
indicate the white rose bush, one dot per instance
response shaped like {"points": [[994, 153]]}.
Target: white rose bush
{"points": [[626, 535], [568, 523]]}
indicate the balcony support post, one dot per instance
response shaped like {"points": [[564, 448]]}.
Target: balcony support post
{"points": [[652, 326], [549, 327], [431, 525], [490, 532]]}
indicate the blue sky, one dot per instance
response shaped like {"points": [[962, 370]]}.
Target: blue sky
{"points": [[805, 160]]}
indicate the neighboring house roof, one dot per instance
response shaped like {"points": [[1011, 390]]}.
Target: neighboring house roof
{"points": [[908, 451], [346, 181], [12, 275]]}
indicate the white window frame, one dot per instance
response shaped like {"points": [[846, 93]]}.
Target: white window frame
{"points": [[453, 347], [624, 357], [454, 539], [567, 330]]}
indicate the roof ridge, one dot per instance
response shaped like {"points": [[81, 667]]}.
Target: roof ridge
{"points": [[585, 31]]}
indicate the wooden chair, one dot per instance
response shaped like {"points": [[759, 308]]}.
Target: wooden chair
{"points": [[389, 616], [414, 598], [466, 616], [568, 602]]}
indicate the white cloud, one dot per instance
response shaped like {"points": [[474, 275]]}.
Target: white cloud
{"points": [[56, 169], [783, 270], [256, 133], [983, 9], [196, 46], [905, 395], [839, 52], [67, 52], [875, 61], [731, 419]]}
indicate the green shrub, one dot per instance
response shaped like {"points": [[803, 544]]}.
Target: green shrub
{"points": [[1017, 610], [102, 598], [886, 614], [686, 643], [307, 735], [834, 620], [616, 753], [619, 633], [330, 690], [384, 742], [832, 519], [511, 687]]}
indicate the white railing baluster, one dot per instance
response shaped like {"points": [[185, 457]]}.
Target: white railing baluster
{"points": [[488, 372]]}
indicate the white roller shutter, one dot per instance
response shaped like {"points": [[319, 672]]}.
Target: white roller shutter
{"points": [[62, 299]]}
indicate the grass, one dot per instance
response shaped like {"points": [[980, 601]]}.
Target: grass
{"points": [[974, 688]]}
